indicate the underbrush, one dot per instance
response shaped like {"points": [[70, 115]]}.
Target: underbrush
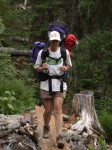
{"points": [[106, 122], [18, 90], [15, 96]]}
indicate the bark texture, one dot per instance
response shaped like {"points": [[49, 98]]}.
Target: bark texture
{"points": [[86, 129], [83, 106], [18, 132], [15, 52]]}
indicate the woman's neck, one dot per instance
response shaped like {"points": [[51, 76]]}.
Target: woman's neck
{"points": [[53, 49]]}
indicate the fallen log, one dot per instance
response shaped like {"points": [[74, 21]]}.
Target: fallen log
{"points": [[18, 38], [18, 132], [15, 52]]}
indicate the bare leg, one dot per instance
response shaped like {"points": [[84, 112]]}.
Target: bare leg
{"points": [[48, 103], [58, 102]]}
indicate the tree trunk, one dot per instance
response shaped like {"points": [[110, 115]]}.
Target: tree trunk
{"points": [[15, 52], [83, 106]]}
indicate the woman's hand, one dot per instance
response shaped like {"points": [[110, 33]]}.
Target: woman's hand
{"points": [[44, 66], [64, 68]]}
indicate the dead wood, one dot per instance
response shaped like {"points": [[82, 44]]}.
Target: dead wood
{"points": [[18, 132], [18, 38], [16, 52], [83, 106], [86, 130]]}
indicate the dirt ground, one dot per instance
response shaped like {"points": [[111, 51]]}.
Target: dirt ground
{"points": [[47, 144]]}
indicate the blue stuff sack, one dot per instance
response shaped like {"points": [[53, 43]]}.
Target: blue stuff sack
{"points": [[37, 47]]}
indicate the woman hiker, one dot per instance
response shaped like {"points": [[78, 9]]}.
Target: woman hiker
{"points": [[52, 68]]}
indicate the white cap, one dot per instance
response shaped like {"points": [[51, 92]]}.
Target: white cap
{"points": [[54, 35]]}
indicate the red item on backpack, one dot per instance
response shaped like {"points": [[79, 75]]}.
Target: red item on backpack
{"points": [[71, 54], [70, 42]]}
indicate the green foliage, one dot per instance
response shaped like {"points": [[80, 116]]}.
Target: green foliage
{"points": [[19, 84], [6, 67], [16, 22], [2, 27], [93, 63], [106, 121], [33, 21], [43, 13], [7, 103], [24, 95], [102, 143], [104, 104], [8, 16], [92, 22]]}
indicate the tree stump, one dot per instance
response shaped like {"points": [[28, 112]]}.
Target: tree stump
{"points": [[83, 107]]}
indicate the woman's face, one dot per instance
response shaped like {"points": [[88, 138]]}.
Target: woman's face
{"points": [[54, 43]]}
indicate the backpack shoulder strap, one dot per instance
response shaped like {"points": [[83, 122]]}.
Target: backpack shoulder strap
{"points": [[45, 53], [63, 53]]}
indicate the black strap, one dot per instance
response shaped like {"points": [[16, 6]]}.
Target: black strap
{"points": [[50, 83], [63, 54], [50, 86], [45, 53], [61, 86]]}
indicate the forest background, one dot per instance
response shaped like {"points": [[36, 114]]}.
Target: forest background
{"points": [[24, 22]]}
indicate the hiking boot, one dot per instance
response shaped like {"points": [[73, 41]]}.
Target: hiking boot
{"points": [[60, 141], [46, 130]]}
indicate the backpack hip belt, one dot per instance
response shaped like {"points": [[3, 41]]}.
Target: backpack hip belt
{"points": [[50, 83], [62, 79]]}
